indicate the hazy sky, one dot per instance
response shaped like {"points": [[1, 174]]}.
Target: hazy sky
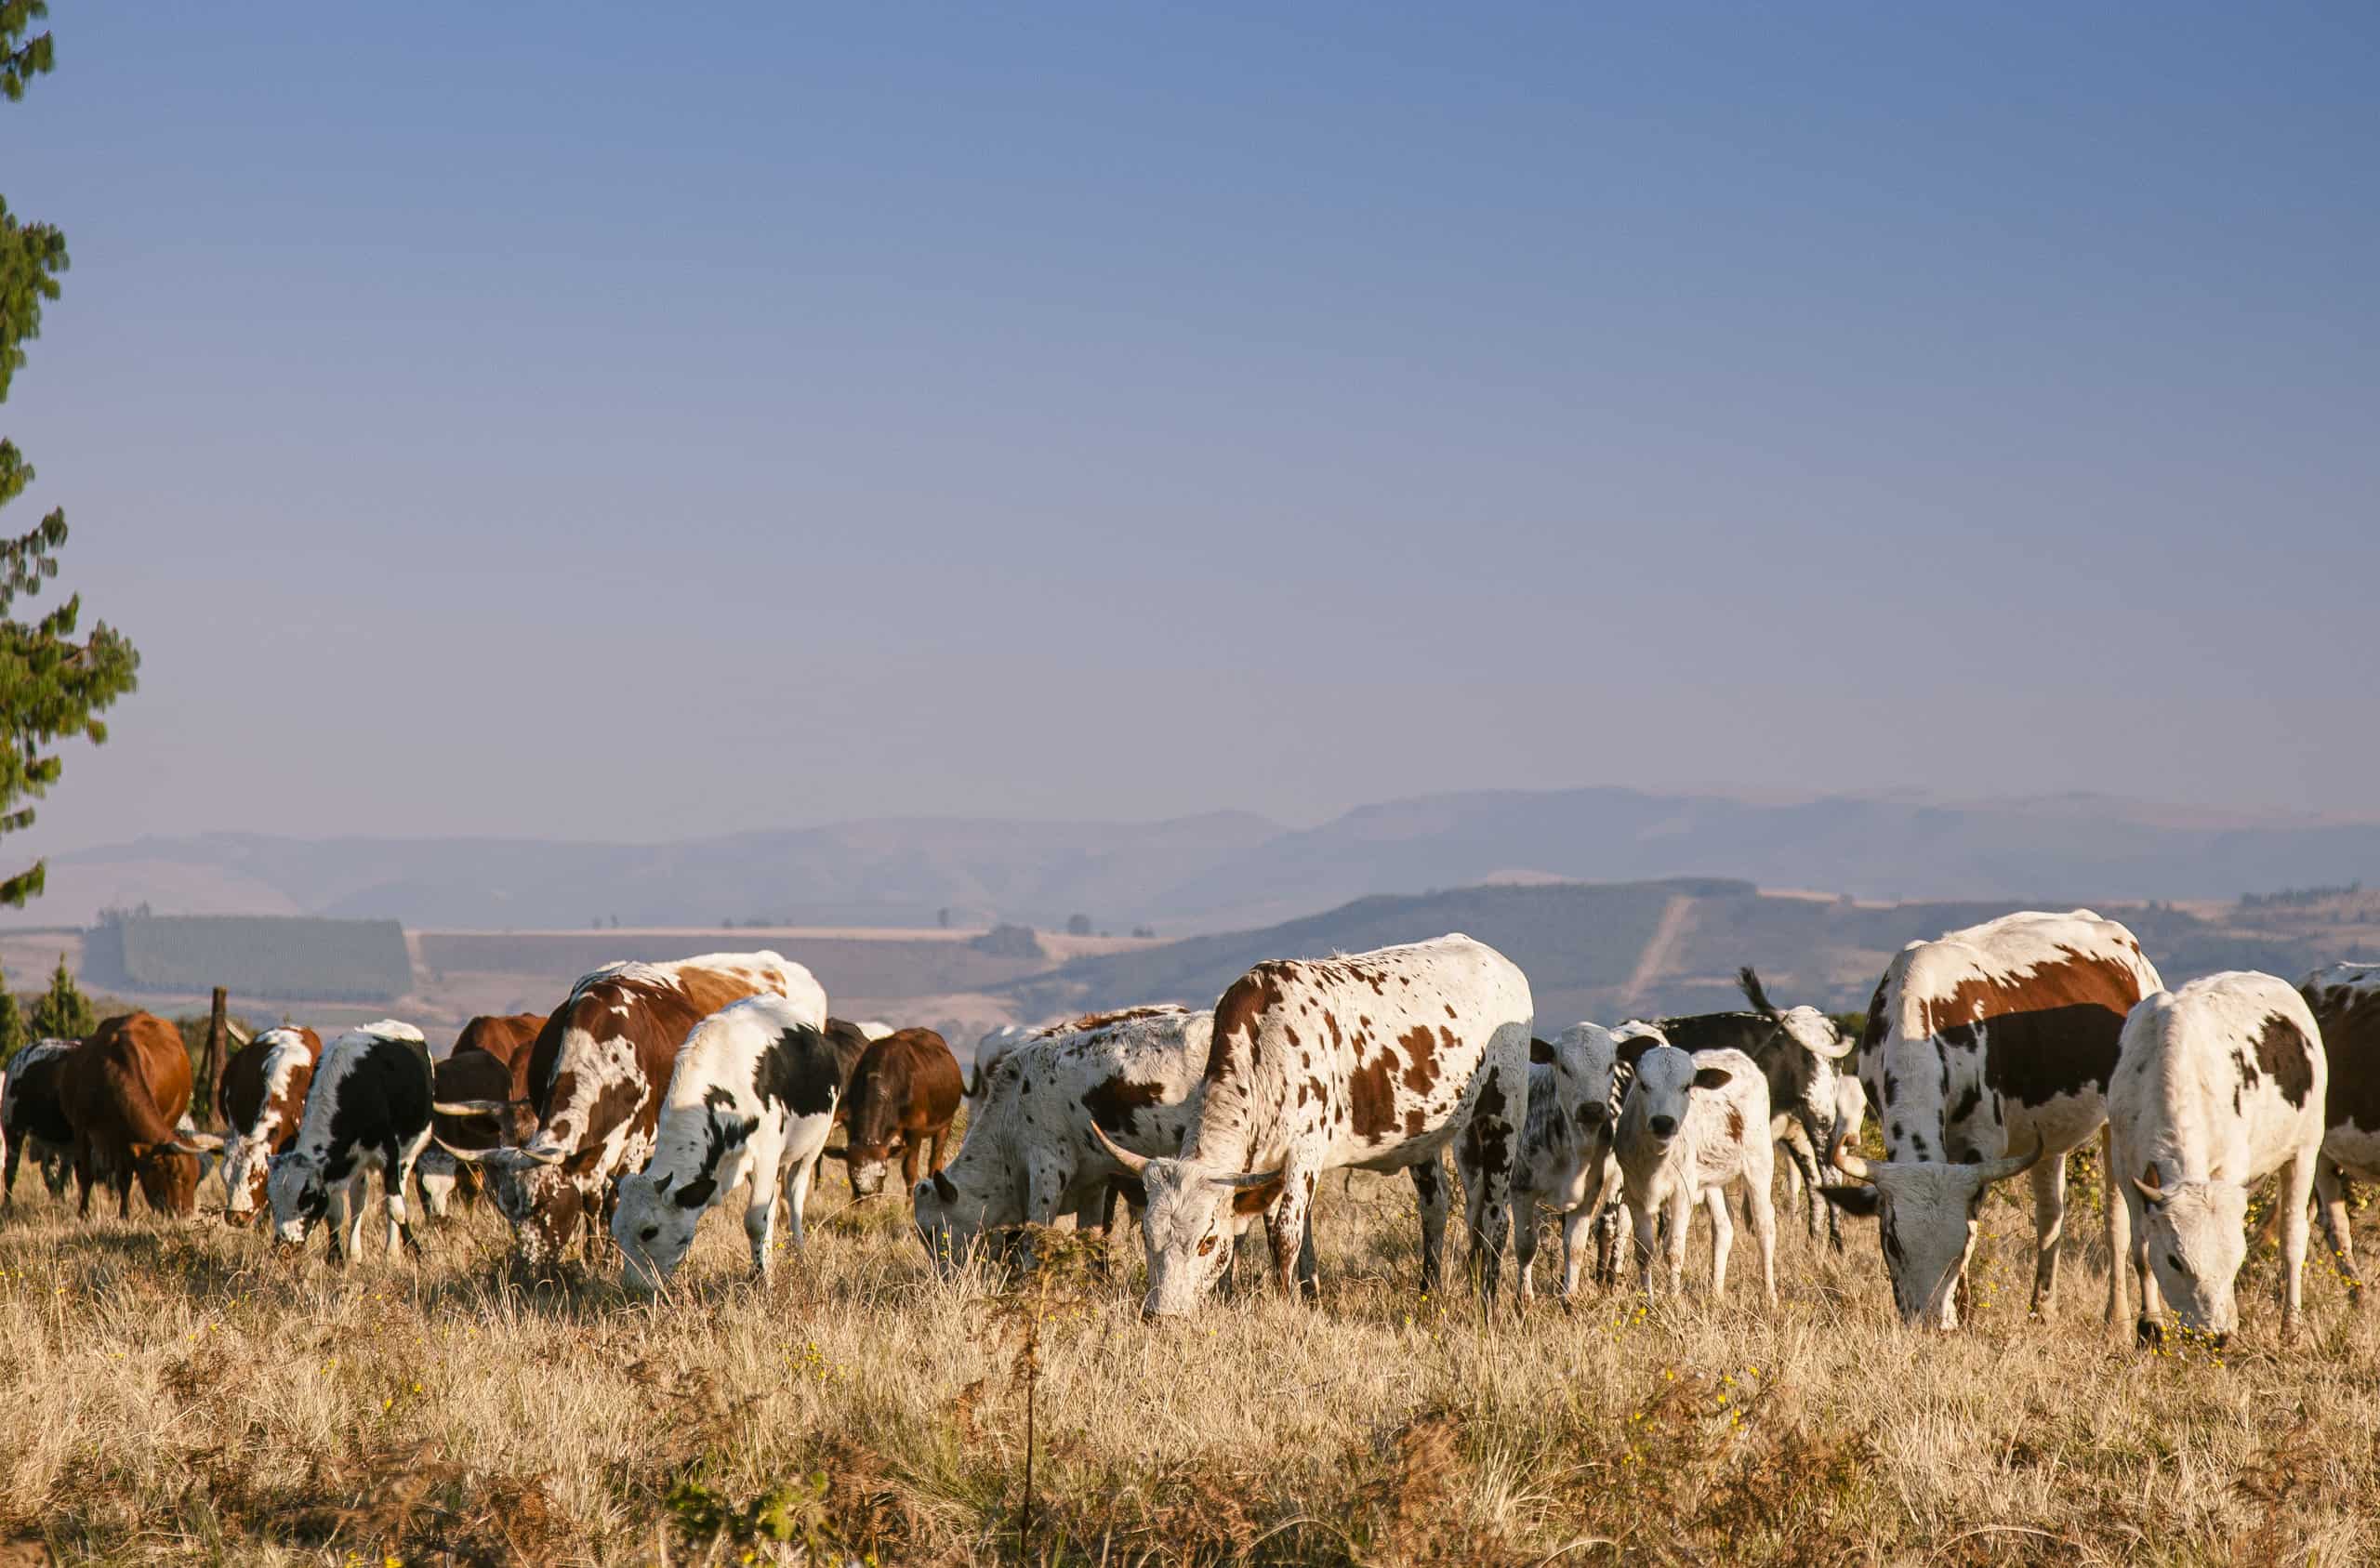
{"points": [[630, 423]]}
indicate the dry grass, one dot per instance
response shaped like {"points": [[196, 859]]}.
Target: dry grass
{"points": [[180, 1397]]}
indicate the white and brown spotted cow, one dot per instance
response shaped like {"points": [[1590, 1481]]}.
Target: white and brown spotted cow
{"points": [[2346, 1001], [1693, 1124], [596, 1077], [1380, 1059], [1997, 1038], [263, 1098], [2218, 1084]]}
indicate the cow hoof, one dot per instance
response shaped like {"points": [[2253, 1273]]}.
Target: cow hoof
{"points": [[2148, 1334]]}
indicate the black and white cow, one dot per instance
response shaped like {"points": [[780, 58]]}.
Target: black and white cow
{"points": [[2218, 1084], [1996, 1038], [2345, 1000], [1566, 1165], [750, 1100], [33, 1119], [367, 1110]]}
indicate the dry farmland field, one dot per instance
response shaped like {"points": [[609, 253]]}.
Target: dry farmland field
{"points": [[177, 1396]]}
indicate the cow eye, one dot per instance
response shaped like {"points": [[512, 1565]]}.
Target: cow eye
{"points": [[1207, 1247], [2174, 1261]]}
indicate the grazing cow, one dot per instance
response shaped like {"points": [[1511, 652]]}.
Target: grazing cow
{"points": [[2346, 1001], [1034, 1148], [262, 1096], [1797, 1049], [904, 1093], [596, 1077], [469, 1072], [1566, 1165], [2218, 1084], [1379, 1060], [32, 1118], [1694, 1124], [369, 1110], [750, 1101], [506, 1036], [122, 1094], [1994, 1038]]}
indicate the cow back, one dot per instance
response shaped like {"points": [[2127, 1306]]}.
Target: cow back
{"points": [[2345, 1003], [31, 1106], [131, 1081], [505, 1036], [240, 1092], [908, 1078]]}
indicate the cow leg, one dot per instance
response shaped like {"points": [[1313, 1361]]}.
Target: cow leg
{"points": [[1764, 1235], [1641, 1220], [1430, 1193], [1525, 1241], [2297, 1188], [1679, 1212], [85, 1175], [760, 1210], [2146, 1330], [1801, 1178], [1722, 1235], [2331, 1194], [1287, 1224], [1612, 1227], [796, 1202], [2123, 1221], [1487, 1166], [15, 1158], [1576, 1227], [912, 1156], [2049, 1224]]}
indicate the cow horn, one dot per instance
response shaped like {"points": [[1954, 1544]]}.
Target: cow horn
{"points": [[1249, 1181], [1849, 1163], [2013, 1164], [1834, 1049], [2147, 1183], [468, 1156], [840, 1153], [471, 1107], [198, 1144], [1136, 1164]]}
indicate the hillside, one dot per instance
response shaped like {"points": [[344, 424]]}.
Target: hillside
{"points": [[1229, 871]]}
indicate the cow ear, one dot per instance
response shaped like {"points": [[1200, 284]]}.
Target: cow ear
{"points": [[696, 1194], [1859, 1202], [1632, 1048], [1712, 1077], [945, 1189], [661, 1182], [1539, 1051]]}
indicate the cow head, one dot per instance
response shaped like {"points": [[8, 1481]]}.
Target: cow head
{"points": [[1189, 1223], [654, 1227], [245, 1162], [169, 1178], [2195, 1233], [1667, 1080], [951, 1221], [542, 1203], [300, 1193], [868, 1165], [1926, 1217]]}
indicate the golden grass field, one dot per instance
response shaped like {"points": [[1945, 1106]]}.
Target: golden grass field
{"points": [[178, 1396]]}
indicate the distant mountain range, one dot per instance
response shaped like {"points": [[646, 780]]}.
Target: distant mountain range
{"points": [[1230, 870]]}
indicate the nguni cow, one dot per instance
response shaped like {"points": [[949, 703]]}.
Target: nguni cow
{"points": [[466, 1073], [2345, 1002], [1797, 1049], [123, 1093], [904, 1096], [369, 1110], [750, 1101], [506, 1036], [263, 1098], [1566, 1165], [32, 1118], [596, 1077], [1045, 1111], [1695, 1123], [1986, 1054], [2217, 1085], [1379, 1060]]}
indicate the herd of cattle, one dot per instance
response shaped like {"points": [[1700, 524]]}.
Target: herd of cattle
{"points": [[654, 1091]]}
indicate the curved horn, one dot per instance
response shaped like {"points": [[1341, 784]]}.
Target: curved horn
{"points": [[197, 1143], [468, 1156], [1249, 1181], [1136, 1164], [1835, 1048], [2147, 1183], [473, 1107], [2013, 1164], [1849, 1163]]}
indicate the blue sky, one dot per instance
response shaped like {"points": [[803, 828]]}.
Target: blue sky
{"points": [[604, 422]]}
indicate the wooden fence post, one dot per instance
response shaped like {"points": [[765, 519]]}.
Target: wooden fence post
{"points": [[216, 1024]]}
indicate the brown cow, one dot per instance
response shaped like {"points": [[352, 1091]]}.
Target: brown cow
{"points": [[596, 1077], [904, 1094], [122, 1093], [470, 1073], [262, 1096], [506, 1036]]}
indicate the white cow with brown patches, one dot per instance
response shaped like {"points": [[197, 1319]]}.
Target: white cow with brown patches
{"points": [[1986, 1054], [1694, 1125], [263, 1099], [1379, 1060], [2218, 1084], [2345, 1002]]}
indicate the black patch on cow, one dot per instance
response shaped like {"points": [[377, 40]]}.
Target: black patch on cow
{"points": [[2284, 1052], [1968, 1103], [383, 1103], [850, 1044], [1114, 1099], [1748, 1033], [802, 1070], [721, 1136], [2034, 1057]]}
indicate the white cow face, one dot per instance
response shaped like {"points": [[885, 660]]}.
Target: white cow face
{"points": [[2196, 1237], [1188, 1232], [1663, 1094], [948, 1222], [1927, 1213], [654, 1227], [298, 1193], [1585, 1061], [246, 1161]]}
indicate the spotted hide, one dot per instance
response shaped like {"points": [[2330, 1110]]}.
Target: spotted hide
{"points": [[1380, 1059], [596, 1074], [31, 1119], [1994, 1039], [2346, 1001], [369, 1110], [263, 1097], [1566, 1165], [1694, 1124], [904, 1094], [2217, 1085], [122, 1094], [750, 1101]]}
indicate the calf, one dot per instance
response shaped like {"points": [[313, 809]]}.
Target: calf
{"points": [[1695, 1123], [262, 1095], [1380, 1060], [2216, 1085], [750, 1101], [1048, 1112], [122, 1094], [1797, 1049], [31, 1117], [2345, 1002], [1998, 1036], [596, 1077], [1566, 1165], [369, 1110], [904, 1094]]}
